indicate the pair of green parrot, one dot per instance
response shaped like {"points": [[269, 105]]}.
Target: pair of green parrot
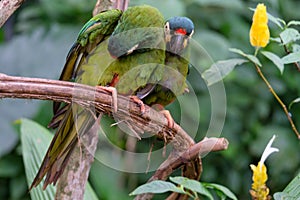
{"points": [[136, 52]]}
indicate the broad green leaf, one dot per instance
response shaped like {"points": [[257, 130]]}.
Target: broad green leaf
{"points": [[220, 69], [296, 48], [292, 191], [282, 196], [277, 39], [289, 35], [293, 22], [89, 193], [291, 58], [297, 100], [279, 22], [193, 185], [253, 59], [238, 51], [250, 57], [157, 186], [35, 140], [221, 188], [275, 59]]}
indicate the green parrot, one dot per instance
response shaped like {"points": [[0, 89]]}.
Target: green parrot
{"points": [[123, 50], [178, 32]]}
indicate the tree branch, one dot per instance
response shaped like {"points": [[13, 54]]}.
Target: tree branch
{"points": [[7, 8], [87, 96]]}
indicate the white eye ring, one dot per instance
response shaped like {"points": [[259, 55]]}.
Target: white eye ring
{"points": [[167, 27], [191, 34], [167, 32]]}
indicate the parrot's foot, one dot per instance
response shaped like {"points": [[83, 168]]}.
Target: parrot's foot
{"points": [[139, 102], [114, 96], [169, 118]]}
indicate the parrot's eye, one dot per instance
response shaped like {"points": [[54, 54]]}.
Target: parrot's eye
{"points": [[167, 27], [167, 32]]}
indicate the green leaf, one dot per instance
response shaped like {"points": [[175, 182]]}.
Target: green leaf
{"points": [[279, 22], [292, 191], [193, 185], [282, 195], [277, 39], [35, 140], [220, 69], [275, 59], [291, 58], [222, 189], [250, 57], [293, 22], [157, 186], [289, 35], [89, 193], [296, 48], [297, 100]]}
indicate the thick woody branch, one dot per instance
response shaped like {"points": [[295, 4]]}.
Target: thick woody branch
{"points": [[98, 97], [7, 8], [88, 97]]}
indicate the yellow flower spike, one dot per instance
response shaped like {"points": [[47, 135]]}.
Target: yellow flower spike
{"points": [[259, 31], [259, 189]]}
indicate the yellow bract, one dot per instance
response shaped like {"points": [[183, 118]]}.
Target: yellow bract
{"points": [[259, 189], [259, 32]]}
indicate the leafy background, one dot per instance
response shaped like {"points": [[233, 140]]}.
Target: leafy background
{"points": [[35, 42]]}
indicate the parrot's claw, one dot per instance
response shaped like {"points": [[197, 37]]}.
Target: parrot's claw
{"points": [[169, 118], [114, 96], [140, 103]]}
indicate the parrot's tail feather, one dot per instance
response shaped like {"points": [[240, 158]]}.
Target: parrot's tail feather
{"points": [[59, 115], [58, 167], [74, 123], [58, 152]]}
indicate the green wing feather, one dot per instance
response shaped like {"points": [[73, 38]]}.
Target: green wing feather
{"points": [[95, 31]]}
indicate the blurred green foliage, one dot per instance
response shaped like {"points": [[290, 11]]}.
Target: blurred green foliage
{"points": [[252, 117]]}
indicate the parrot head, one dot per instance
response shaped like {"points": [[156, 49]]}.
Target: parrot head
{"points": [[178, 31]]}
